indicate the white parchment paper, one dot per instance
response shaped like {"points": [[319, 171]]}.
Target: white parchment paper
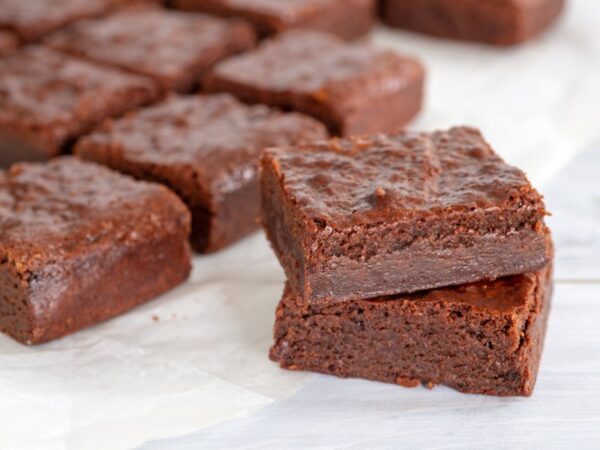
{"points": [[198, 355]]}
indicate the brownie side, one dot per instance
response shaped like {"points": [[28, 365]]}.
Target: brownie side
{"points": [[173, 48], [492, 22], [375, 215], [351, 88], [348, 19], [207, 150], [484, 338], [81, 244], [49, 99]]}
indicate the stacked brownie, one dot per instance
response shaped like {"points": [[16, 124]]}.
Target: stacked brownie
{"points": [[411, 258]]}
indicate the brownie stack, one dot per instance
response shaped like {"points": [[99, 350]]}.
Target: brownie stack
{"points": [[411, 258]]}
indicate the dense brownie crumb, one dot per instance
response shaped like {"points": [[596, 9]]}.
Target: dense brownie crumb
{"points": [[499, 22], [206, 149], [352, 88], [484, 338], [348, 19], [377, 215], [47, 99], [80, 244], [173, 48]]}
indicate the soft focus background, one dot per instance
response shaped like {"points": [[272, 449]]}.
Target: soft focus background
{"points": [[190, 370]]}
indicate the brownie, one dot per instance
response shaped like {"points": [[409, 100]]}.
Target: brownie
{"points": [[483, 338], [32, 19], [8, 42], [80, 243], [206, 149], [47, 99], [349, 19], [379, 215], [174, 48], [498, 22], [352, 88]]}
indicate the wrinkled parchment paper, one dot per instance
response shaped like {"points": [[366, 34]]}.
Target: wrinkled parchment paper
{"points": [[198, 355]]}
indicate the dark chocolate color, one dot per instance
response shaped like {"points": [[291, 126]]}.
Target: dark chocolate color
{"points": [[379, 215], [498, 22], [80, 244], [47, 99], [352, 88], [205, 148], [173, 48], [348, 19], [484, 338]]}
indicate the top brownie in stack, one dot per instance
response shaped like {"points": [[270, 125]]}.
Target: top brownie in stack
{"points": [[346, 18], [379, 215], [173, 48]]}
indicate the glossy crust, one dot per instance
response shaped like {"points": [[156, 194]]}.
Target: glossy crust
{"points": [[498, 22], [206, 149], [173, 48], [348, 19], [484, 338], [352, 88], [32, 19], [380, 215], [80, 244], [47, 99]]}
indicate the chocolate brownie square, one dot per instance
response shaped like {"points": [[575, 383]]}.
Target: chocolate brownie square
{"points": [[80, 243], [498, 22], [352, 88], [206, 149], [48, 99], [482, 338], [348, 19], [379, 215], [173, 48], [32, 19]]}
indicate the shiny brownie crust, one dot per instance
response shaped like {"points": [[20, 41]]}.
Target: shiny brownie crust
{"points": [[80, 244], [379, 215], [483, 338]]}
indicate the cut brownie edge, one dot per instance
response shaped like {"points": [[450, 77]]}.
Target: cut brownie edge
{"points": [[454, 337]]}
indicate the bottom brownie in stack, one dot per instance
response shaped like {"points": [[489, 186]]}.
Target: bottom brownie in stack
{"points": [[411, 258]]}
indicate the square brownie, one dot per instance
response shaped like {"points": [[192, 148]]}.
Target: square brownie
{"points": [[498, 22], [32, 19], [207, 150], [173, 48], [80, 243], [482, 338], [352, 88], [48, 99], [348, 19], [379, 215]]}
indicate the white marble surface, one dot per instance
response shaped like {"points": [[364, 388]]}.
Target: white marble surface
{"points": [[198, 376]]}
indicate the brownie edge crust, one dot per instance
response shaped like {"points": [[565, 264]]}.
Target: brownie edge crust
{"points": [[483, 338]]}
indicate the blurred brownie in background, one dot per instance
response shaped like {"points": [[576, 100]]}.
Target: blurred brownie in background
{"points": [[48, 99], [349, 19], [80, 243], [352, 88], [8, 42], [206, 149], [499, 22], [174, 48]]}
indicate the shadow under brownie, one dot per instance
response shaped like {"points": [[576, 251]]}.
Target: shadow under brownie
{"points": [[378, 215], [483, 338], [206, 149], [80, 243]]}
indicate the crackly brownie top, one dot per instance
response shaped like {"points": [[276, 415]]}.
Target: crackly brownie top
{"points": [[66, 207], [32, 18], [320, 65], [155, 41], [378, 178], [220, 137], [43, 88]]}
